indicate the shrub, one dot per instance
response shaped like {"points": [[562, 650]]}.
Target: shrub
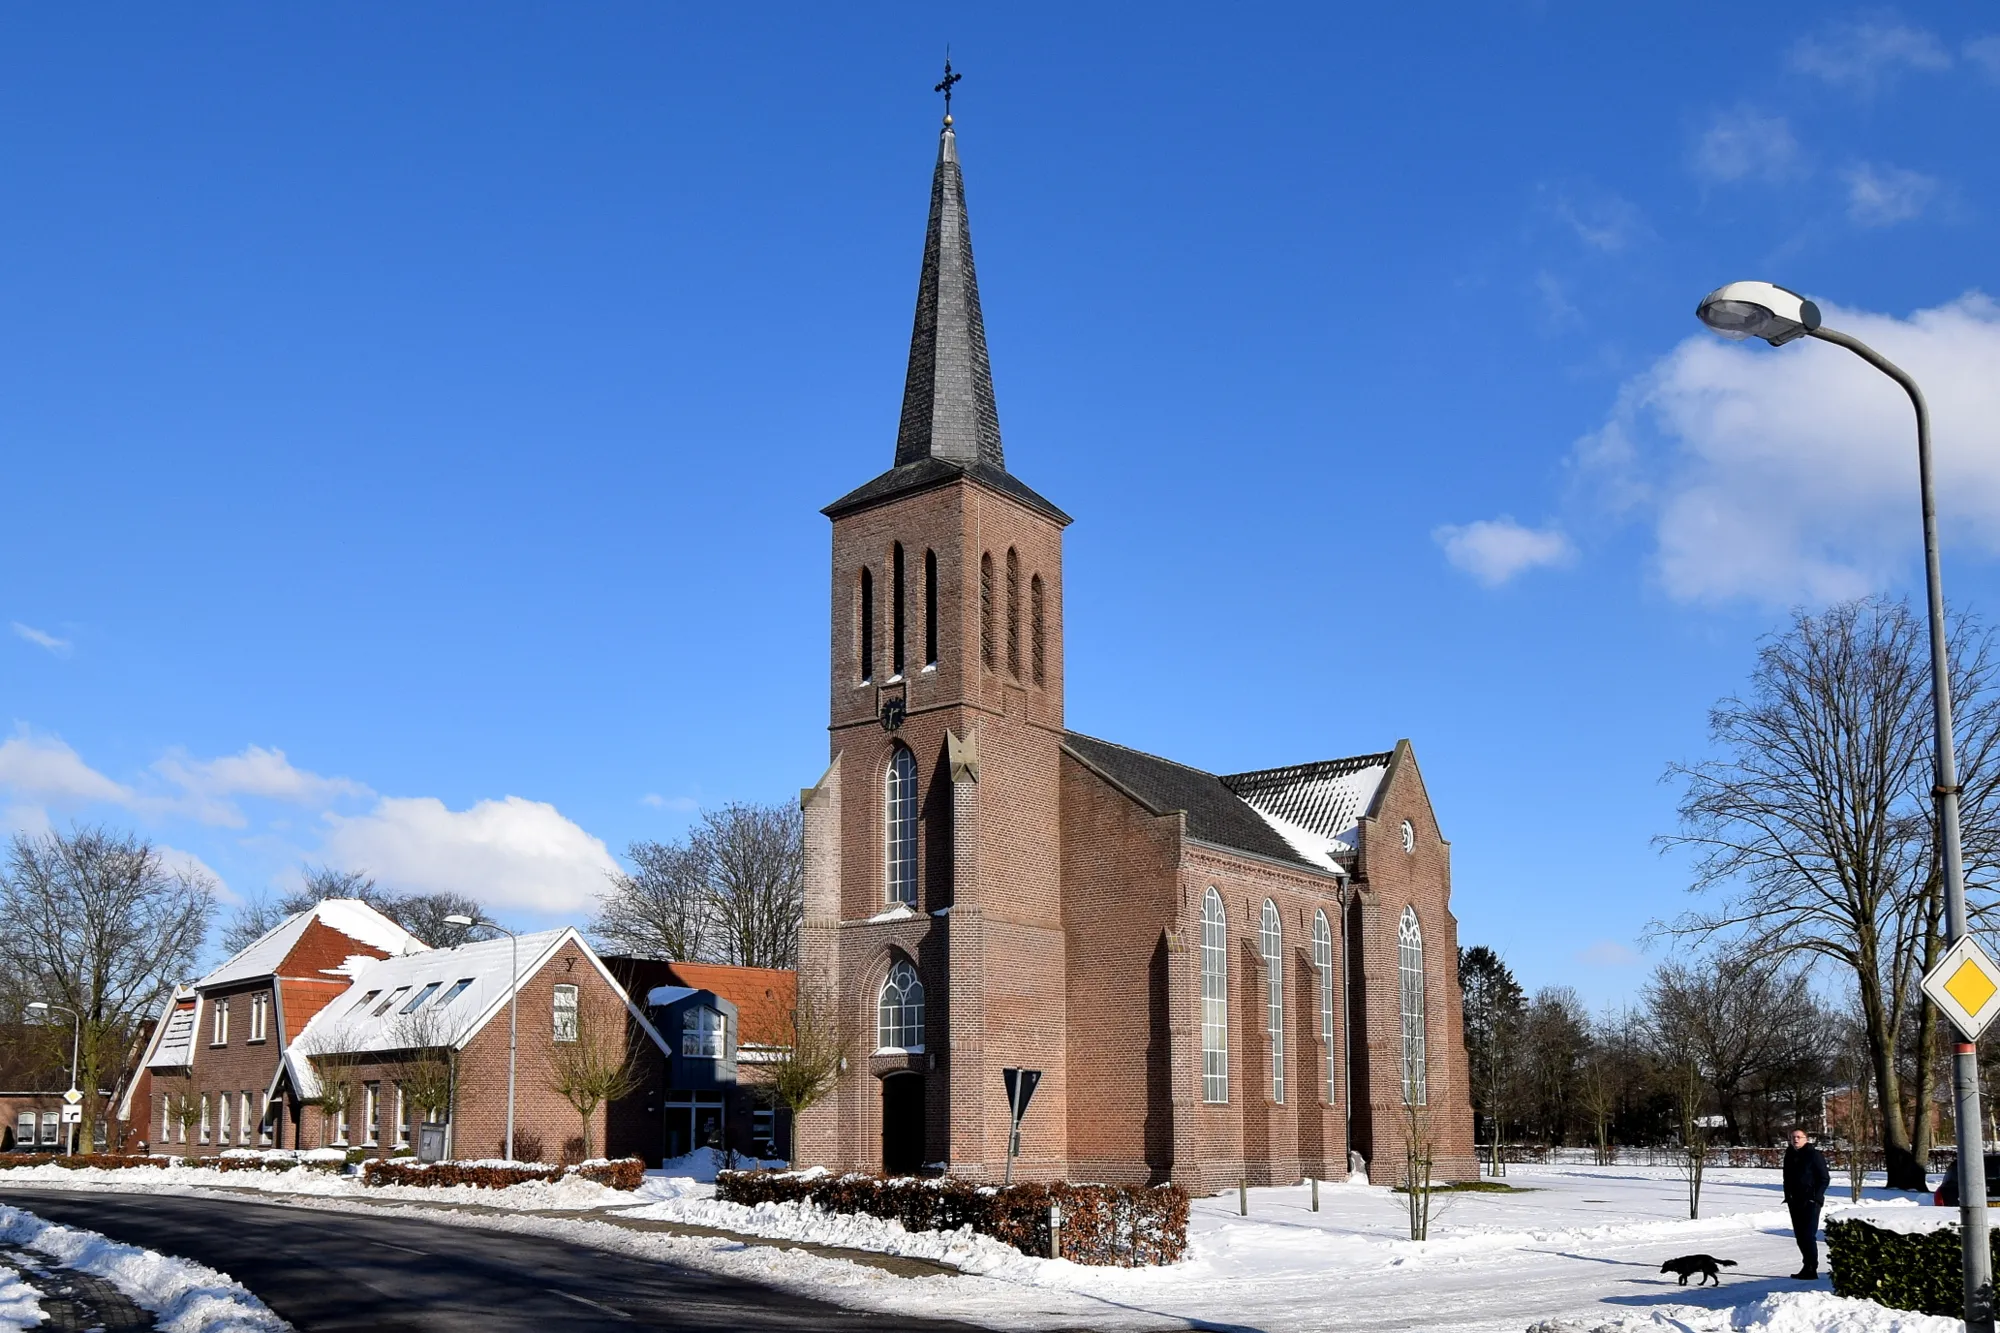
{"points": [[103, 1161], [623, 1174], [1921, 1270], [1121, 1225]]}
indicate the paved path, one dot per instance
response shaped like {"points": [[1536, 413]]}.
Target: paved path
{"points": [[353, 1270], [74, 1302]]}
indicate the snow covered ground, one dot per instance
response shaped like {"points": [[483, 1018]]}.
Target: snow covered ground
{"points": [[1577, 1250], [184, 1296]]}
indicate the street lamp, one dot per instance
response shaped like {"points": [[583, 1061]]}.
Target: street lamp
{"points": [[513, 996], [1778, 315], [75, 1044]]}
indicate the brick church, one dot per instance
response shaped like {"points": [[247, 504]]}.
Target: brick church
{"points": [[1219, 975]]}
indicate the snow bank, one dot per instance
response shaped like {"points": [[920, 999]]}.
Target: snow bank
{"points": [[702, 1164], [1803, 1312], [185, 1296], [20, 1307], [568, 1192]]}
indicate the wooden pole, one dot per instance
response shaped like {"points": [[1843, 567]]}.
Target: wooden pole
{"points": [[1242, 1196], [1315, 1184]]}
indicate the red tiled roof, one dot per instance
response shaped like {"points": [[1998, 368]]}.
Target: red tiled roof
{"points": [[763, 996]]}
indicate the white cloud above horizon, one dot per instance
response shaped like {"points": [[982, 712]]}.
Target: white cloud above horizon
{"points": [[1787, 474], [1746, 144], [1495, 551], [1880, 196], [1866, 56], [42, 639], [508, 853]]}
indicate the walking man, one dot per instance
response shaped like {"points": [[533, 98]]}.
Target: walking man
{"points": [[1806, 1179]]}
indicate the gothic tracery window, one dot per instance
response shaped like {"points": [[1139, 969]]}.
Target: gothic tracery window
{"points": [[1410, 976], [899, 808], [1272, 937], [899, 1023], [1323, 966], [1214, 1000]]}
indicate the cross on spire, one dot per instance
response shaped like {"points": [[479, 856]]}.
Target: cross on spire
{"points": [[945, 87]]}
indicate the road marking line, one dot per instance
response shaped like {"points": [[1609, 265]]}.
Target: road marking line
{"points": [[585, 1300]]}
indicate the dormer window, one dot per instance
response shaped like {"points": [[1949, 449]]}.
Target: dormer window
{"points": [[704, 1034]]}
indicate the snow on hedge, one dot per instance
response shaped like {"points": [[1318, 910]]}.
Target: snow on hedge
{"points": [[185, 1296]]}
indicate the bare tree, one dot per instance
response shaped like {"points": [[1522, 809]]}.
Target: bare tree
{"points": [[756, 856], [422, 914], [802, 1075], [1694, 1132], [1555, 1039], [1815, 823], [426, 1070], [1597, 1094], [594, 1069], [98, 923], [339, 1075], [1746, 1021], [660, 909], [184, 1113]]}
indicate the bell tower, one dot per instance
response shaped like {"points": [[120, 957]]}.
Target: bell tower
{"points": [[933, 921]]}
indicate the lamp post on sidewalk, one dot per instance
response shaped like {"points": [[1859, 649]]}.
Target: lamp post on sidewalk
{"points": [[513, 996], [75, 1045], [1778, 316]]}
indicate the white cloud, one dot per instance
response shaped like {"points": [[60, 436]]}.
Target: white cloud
{"points": [[42, 639], [659, 802], [1601, 220], [189, 866], [1494, 550], [511, 853], [257, 771], [1790, 473], [1882, 196], [1985, 53], [1867, 56], [1609, 953], [45, 769], [1745, 144]]}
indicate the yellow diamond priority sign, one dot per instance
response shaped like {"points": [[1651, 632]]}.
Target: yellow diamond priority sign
{"points": [[1966, 986]]}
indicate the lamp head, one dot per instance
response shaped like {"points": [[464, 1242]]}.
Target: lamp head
{"points": [[458, 919], [1758, 310], [38, 1004]]}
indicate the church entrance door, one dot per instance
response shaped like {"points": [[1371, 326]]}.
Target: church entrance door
{"points": [[902, 1123]]}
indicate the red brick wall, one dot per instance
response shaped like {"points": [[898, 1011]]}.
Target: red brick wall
{"points": [[232, 1068]]}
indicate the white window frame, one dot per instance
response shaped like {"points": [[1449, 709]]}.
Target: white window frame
{"points": [[402, 1117], [1410, 991], [260, 1008], [1214, 999], [1271, 938], [264, 1116], [899, 827], [340, 1127], [899, 1010], [245, 1125], [371, 1114], [221, 1118], [27, 1130], [52, 1131], [204, 1117], [704, 1033], [1323, 965], [166, 1120], [219, 1025], [563, 1006]]}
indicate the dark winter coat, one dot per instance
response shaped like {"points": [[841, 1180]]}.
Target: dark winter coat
{"points": [[1806, 1176]]}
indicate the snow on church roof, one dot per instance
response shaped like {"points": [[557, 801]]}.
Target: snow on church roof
{"points": [[1315, 807], [350, 916]]}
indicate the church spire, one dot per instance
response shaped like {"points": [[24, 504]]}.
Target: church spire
{"points": [[948, 408]]}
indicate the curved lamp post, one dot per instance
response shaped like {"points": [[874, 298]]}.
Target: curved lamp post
{"points": [[513, 995], [75, 1045], [1778, 316]]}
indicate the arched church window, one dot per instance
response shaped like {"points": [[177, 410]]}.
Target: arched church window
{"points": [[867, 644], [1323, 966], [896, 610], [1271, 935], [899, 807], [1214, 1000], [1410, 975], [1036, 631], [930, 608], [899, 1024], [986, 610], [1013, 614]]}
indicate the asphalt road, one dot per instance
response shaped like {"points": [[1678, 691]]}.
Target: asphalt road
{"points": [[328, 1271]]}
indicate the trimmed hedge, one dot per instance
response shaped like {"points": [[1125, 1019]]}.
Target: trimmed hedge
{"points": [[1906, 1270], [102, 1160], [1105, 1225], [623, 1174]]}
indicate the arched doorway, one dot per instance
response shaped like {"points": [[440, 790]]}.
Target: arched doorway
{"points": [[902, 1123]]}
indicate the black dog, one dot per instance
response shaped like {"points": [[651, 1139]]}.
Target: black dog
{"points": [[1690, 1264]]}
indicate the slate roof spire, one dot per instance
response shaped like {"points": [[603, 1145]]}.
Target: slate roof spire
{"points": [[948, 408]]}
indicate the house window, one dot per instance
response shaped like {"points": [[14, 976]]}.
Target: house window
{"points": [[245, 1122], [1271, 934], [1323, 966], [395, 998], [457, 989], [900, 1014], [1036, 632], [222, 1117], [166, 1120], [702, 1033], [52, 1132], [930, 608], [1013, 614], [220, 1035], [371, 1113], [364, 1001], [264, 1118], [204, 1117], [1214, 1000], [896, 611], [402, 1117], [899, 806], [565, 1013], [867, 626], [340, 1126], [416, 1001], [26, 1128], [1410, 975], [764, 1133], [986, 610], [259, 1010]]}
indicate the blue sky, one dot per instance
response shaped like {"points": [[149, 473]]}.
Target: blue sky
{"points": [[414, 419]]}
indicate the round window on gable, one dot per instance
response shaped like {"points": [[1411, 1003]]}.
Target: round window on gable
{"points": [[1409, 836]]}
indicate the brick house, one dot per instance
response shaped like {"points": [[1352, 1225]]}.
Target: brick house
{"points": [[1218, 976]]}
